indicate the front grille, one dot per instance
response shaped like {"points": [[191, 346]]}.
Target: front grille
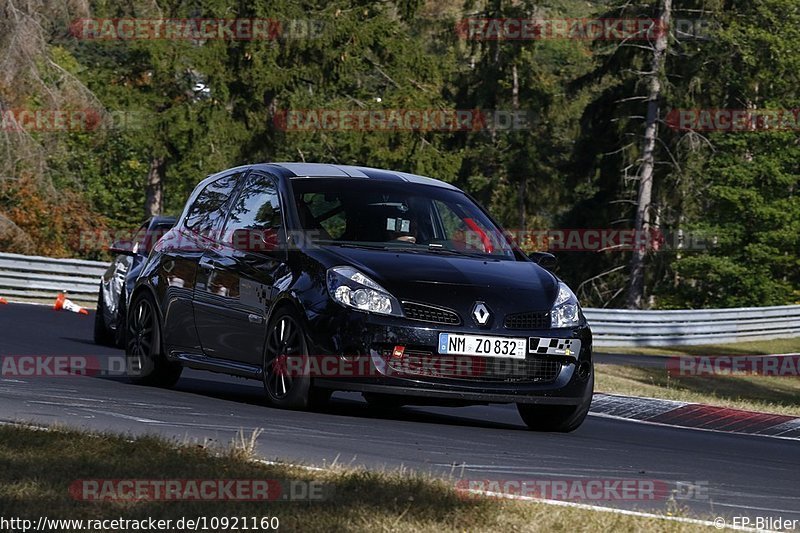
{"points": [[418, 363], [429, 313], [532, 320]]}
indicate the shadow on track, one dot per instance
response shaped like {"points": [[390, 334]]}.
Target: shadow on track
{"points": [[250, 392]]}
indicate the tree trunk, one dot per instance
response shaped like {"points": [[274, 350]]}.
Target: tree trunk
{"points": [[635, 297], [523, 184], [154, 201]]}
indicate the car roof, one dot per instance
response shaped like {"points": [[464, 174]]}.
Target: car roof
{"points": [[319, 170], [328, 170], [160, 219]]}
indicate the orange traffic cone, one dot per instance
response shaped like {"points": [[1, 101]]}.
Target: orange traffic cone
{"points": [[3, 300], [62, 302]]}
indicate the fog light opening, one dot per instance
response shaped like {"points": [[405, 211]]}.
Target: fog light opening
{"points": [[352, 355], [584, 369]]}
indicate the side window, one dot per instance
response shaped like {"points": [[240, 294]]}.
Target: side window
{"points": [[139, 243], [255, 217], [451, 222], [323, 213], [206, 214], [155, 233], [467, 233]]}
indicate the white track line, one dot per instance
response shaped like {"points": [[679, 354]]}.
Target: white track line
{"points": [[558, 503], [641, 514]]}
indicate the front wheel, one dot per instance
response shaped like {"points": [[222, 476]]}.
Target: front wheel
{"points": [[285, 367], [559, 418], [147, 364]]}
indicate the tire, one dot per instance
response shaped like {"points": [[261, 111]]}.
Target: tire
{"points": [[383, 402], [146, 362], [287, 342], [102, 335], [557, 418]]}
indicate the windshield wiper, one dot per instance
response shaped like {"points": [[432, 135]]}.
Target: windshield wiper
{"points": [[363, 246], [407, 247], [449, 251]]}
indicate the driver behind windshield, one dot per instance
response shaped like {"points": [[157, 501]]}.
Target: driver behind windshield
{"points": [[381, 221]]}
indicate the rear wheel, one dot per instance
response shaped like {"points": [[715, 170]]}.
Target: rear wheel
{"points": [[102, 335], [147, 364], [286, 379], [561, 418]]}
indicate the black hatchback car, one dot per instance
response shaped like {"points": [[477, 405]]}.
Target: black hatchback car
{"points": [[315, 278]]}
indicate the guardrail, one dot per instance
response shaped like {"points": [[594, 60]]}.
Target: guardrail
{"points": [[35, 278], [624, 327], [41, 278]]}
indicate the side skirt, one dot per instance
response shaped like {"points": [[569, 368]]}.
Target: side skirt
{"points": [[222, 366]]}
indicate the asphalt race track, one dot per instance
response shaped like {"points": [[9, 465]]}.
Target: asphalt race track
{"points": [[734, 474]]}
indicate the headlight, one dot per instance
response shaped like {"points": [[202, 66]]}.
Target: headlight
{"points": [[353, 289], [566, 310]]}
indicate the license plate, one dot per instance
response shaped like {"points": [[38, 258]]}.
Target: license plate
{"points": [[482, 345]]}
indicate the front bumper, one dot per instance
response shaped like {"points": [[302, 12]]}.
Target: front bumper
{"points": [[351, 334]]}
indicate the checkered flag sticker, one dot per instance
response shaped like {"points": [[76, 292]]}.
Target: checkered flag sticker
{"points": [[547, 346]]}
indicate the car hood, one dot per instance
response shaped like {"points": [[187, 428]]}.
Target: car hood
{"points": [[453, 281]]}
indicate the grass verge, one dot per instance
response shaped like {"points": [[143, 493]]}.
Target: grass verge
{"points": [[39, 466], [769, 394]]}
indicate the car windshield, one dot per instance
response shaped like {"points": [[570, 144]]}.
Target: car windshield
{"points": [[395, 216]]}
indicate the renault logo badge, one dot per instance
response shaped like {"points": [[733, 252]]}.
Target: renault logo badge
{"points": [[481, 314]]}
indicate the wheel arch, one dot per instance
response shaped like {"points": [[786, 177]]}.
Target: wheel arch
{"points": [[291, 300], [144, 289]]}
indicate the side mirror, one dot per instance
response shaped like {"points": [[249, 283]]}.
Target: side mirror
{"points": [[545, 260], [254, 240], [124, 248]]}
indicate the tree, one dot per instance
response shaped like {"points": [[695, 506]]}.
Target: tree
{"points": [[521, 174], [632, 173], [642, 222], [746, 206]]}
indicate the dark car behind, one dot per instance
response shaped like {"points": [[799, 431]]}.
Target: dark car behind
{"points": [[117, 282]]}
